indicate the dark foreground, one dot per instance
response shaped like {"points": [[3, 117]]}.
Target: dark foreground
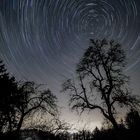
{"points": [[103, 134]]}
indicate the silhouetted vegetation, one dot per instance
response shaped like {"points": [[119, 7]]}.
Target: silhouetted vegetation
{"points": [[125, 132], [100, 84], [21, 99], [8, 101], [32, 100]]}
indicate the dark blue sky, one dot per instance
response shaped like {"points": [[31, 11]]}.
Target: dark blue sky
{"points": [[42, 40]]}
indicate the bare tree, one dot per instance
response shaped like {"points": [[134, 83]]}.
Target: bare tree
{"points": [[100, 82], [51, 124], [31, 99], [20, 100]]}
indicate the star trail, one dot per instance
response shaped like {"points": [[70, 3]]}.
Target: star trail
{"points": [[42, 40]]}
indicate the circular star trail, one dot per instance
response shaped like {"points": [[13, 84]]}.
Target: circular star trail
{"points": [[42, 40]]}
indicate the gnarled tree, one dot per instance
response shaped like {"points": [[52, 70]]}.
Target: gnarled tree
{"points": [[101, 83], [18, 100], [32, 99]]}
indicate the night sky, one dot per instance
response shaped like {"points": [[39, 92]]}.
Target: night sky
{"points": [[42, 40]]}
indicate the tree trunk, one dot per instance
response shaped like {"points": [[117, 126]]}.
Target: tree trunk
{"points": [[19, 126], [116, 127], [112, 119], [10, 123], [114, 123]]}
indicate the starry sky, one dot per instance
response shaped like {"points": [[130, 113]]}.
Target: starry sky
{"points": [[43, 40]]}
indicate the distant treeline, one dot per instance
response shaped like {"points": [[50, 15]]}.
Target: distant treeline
{"points": [[128, 129]]}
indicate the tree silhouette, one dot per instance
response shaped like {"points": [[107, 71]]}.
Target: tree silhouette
{"points": [[53, 125], [133, 120], [100, 82], [18, 100], [32, 99], [8, 90]]}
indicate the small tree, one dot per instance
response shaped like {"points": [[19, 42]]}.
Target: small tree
{"points": [[52, 125], [32, 99], [100, 71], [133, 120], [18, 100]]}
